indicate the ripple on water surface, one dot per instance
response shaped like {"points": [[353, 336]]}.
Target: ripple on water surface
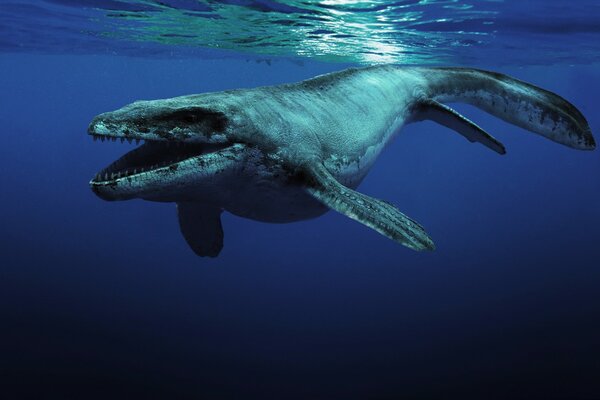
{"points": [[367, 32]]}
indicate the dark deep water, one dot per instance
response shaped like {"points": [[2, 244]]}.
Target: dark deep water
{"points": [[105, 300]]}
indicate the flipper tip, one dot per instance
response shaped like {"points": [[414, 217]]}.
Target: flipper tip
{"points": [[427, 245], [421, 243], [501, 149], [590, 142]]}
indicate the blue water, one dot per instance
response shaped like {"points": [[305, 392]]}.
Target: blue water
{"points": [[105, 300]]}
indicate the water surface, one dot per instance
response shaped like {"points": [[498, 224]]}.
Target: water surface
{"points": [[491, 32]]}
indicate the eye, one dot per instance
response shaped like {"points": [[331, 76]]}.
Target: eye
{"points": [[190, 118]]}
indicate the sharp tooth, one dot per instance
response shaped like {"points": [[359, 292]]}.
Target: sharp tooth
{"points": [[122, 140], [95, 138], [135, 171], [102, 138], [129, 140], [106, 176]]}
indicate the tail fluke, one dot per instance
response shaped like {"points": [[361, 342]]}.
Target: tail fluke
{"points": [[512, 100]]}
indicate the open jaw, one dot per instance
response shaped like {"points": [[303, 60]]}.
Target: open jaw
{"points": [[151, 156]]}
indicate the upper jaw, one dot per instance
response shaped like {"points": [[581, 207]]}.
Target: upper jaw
{"points": [[169, 120], [107, 129], [104, 129], [157, 152]]}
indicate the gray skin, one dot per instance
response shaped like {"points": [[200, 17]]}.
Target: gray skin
{"points": [[292, 152]]}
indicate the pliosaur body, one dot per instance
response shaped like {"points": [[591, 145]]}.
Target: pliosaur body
{"points": [[291, 152]]}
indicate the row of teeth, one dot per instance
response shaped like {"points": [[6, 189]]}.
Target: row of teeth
{"points": [[106, 176], [122, 174], [114, 139], [131, 140]]}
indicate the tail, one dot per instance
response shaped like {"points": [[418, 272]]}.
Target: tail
{"points": [[517, 102]]}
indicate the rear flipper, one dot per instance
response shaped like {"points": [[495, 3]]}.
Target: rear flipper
{"points": [[512, 100], [376, 214], [446, 116]]}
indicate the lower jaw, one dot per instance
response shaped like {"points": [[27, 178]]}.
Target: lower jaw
{"points": [[147, 185], [163, 196], [151, 157], [192, 179]]}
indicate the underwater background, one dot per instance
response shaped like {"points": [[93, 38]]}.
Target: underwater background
{"points": [[105, 300]]}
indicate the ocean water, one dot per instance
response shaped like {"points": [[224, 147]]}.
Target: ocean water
{"points": [[105, 300]]}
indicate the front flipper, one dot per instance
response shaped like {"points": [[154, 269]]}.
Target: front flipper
{"points": [[201, 227], [448, 117], [376, 214]]}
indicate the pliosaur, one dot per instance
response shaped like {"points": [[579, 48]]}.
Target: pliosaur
{"points": [[292, 152]]}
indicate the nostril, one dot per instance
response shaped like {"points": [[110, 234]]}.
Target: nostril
{"points": [[92, 127], [98, 127], [190, 118]]}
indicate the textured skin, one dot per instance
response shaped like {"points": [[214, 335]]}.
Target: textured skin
{"points": [[285, 153]]}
